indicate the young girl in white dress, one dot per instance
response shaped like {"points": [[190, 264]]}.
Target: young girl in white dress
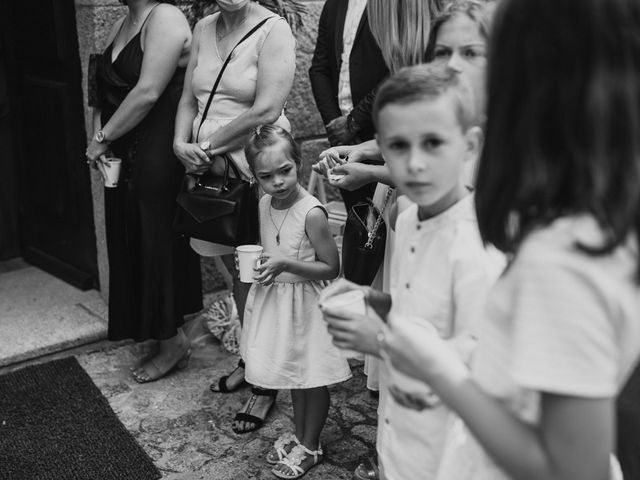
{"points": [[285, 343]]}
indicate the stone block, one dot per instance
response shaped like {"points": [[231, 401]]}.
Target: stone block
{"points": [[301, 107]]}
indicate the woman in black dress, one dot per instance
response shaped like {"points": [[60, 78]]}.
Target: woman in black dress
{"points": [[154, 277]]}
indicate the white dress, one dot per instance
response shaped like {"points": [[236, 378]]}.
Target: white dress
{"points": [[285, 343]]}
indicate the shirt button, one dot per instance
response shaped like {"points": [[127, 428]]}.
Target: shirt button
{"points": [[413, 249], [418, 226], [386, 420], [408, 286]]}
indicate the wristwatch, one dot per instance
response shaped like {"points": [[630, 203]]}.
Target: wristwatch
{"points": [[100, 137]]}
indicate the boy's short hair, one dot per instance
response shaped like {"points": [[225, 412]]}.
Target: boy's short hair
{"points": [[427, 82]]}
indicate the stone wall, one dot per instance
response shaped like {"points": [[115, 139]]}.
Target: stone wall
{"points": [[94, 19]]}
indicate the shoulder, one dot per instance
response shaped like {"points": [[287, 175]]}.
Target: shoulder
{"points": [[276, 28], [170, 16], [205, 21], [468, 253], [407, 218]]}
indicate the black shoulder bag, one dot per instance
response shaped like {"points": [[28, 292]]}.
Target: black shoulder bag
{"points": [[219, 208], [363, 247]]}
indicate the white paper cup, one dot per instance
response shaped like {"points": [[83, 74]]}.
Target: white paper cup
{"points": [[334, 177], [415, 327], [352, 301], [111, 170], [248, 257]]}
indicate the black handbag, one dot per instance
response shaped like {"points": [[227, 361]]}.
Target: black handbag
{"points": [[219, 208], [363, 246]]}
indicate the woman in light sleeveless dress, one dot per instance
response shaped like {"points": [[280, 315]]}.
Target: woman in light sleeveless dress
{"points": [[251, 92]]}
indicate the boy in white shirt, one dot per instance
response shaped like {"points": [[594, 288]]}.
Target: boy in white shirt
{"points": [[427, 132]]}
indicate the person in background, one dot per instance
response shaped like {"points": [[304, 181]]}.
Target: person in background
{"points": [[347, 66], [557, 190], [154, 277], [252, 91]]}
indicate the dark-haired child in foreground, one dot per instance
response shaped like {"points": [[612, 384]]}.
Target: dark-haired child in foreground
{"points": [[558, 188]]}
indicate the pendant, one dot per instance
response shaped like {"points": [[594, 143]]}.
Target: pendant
{"points": [[278, 239]]}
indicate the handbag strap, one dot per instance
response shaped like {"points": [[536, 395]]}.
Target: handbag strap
{"points": [[374, 230], [224, 66]]}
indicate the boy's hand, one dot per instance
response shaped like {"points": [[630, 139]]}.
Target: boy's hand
{"points": [[270, 267], [352, 331]]}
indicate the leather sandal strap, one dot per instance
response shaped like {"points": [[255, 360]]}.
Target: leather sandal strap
{"points": [[264, 392]]}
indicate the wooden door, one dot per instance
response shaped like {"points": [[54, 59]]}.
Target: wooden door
{"points": [[47, 126]]}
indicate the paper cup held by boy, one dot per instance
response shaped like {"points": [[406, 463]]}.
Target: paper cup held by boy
{"points": [[351, 301], [111, 170], [248, 257]]}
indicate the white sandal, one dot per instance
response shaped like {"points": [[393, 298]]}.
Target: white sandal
{"points": [[279, 451], [293, 460]]}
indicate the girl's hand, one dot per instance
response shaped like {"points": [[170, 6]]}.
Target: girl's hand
{"points": [[270, 267], [420, 353], [193, 158]]}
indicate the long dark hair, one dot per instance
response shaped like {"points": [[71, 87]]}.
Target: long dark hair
{"points": [[563, 128]]}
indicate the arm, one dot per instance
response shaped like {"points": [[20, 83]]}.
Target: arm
{"points": [[190, 154], [322, 85], [164, 40], [572, 441], [276, 68], [575, 434], [327, 263], [360, 116]]}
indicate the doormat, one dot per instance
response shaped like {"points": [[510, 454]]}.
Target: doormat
{"points": [[56, 424]]}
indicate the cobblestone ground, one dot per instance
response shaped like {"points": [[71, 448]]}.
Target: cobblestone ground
{"points": [[186, 429]]}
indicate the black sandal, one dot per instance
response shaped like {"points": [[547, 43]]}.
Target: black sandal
{"points": [[221, 386], [248, 417]]}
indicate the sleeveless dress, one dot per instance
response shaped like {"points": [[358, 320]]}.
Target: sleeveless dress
{"points": [[154, 277], [285, 343], [235, 94]]}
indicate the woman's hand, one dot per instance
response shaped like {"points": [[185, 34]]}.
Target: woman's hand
{"points": [[95, 150], [327, 160], [192, 156], [355, 175], [270, 267]]}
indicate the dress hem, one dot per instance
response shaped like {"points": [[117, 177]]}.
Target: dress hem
{"points": [[298, 387]]}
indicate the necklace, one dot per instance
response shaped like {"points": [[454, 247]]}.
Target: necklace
{"points": [[220, 36], [283, 219]]}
